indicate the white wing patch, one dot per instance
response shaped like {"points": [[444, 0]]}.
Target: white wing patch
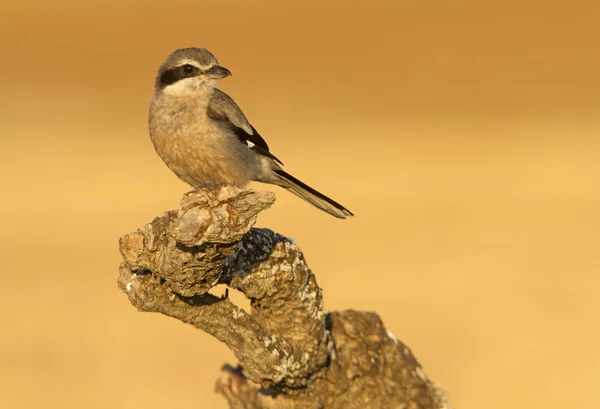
{"points": [[250, 144]]}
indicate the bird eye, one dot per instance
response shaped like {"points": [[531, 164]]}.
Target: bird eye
{"points": [[188, 69]]}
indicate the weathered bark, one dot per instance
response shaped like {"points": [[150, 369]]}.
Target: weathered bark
{"points": [[292, 354]]}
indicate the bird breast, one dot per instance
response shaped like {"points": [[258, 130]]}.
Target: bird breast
{"points": [[194, 147]]}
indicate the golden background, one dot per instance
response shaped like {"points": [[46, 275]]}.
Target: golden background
{"points": [[465, 137]]}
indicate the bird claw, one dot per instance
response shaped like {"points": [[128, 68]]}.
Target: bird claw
{"points": [[234, 215], [202, 190]]}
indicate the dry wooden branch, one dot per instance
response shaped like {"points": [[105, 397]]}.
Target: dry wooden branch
{"points": [[292, 354]]}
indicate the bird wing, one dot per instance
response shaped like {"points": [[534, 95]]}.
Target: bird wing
{"points": [[226, 113]]}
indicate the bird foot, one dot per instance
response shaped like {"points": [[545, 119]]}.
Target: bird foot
{"points": [[202, 190]]}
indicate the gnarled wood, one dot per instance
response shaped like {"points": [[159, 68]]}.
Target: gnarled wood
{"points": [[291, 353]]}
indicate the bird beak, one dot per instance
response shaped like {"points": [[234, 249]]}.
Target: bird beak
{"points": [[217, 72]]}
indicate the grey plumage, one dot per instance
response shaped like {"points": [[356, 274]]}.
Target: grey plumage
{"points": [[204, 137]]}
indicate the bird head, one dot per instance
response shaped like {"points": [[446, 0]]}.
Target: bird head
{"points": [[189, 71]]}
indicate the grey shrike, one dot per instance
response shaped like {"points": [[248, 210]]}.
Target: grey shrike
{"points": [[204, 137]]}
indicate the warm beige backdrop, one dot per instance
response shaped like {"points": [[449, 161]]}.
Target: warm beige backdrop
{"points": [[466, 138]]}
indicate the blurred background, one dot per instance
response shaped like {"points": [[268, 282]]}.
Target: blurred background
{"points": [[465, 137]]}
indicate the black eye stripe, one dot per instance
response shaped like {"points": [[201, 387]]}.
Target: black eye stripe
{"points": [[175, 74], [170, 77]]}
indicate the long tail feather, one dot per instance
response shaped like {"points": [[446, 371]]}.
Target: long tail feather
{"points": [[309, 194]]}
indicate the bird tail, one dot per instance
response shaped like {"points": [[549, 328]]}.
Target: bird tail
{"points": [[309, 194]]}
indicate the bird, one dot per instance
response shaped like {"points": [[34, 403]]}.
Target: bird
{"points": [[204, 137]]}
